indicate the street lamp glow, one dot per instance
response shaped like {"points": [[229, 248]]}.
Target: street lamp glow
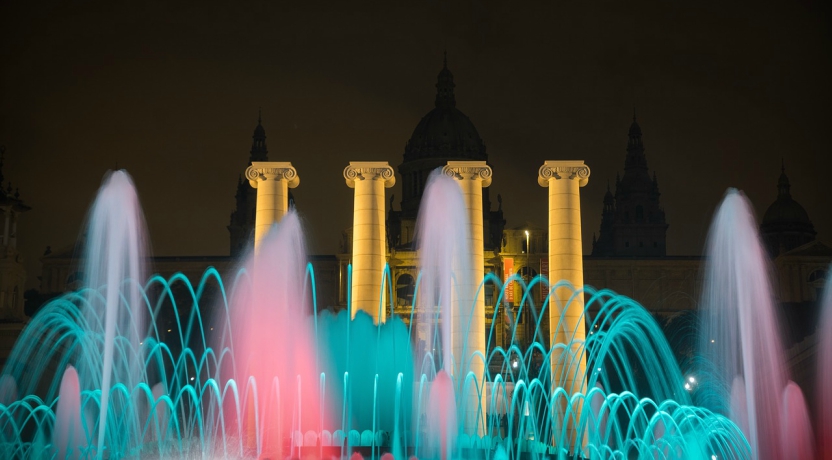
{"points": [[527, 243]]}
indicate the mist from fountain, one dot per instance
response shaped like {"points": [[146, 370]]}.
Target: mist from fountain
{"points": [[267, 375]]}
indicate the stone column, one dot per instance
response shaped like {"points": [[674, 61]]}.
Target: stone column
{"points": [[468, 327], [369, 236], [272, 179], [566, 320]]}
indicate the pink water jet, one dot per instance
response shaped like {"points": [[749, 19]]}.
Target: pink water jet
{"points": [[441, 417], [740, 335], [69, 438], [273, 343]]}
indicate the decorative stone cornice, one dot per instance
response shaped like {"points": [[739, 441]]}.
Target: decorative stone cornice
{"points": [[362, 170], [469, 170], [568, 169], [272, 170]]}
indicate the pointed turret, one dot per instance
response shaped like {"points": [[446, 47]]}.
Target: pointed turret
{"points": [[635, 148], [241, 226], [12, 271], [445, 86], [604, 244], [783, 185], [259, 152]]}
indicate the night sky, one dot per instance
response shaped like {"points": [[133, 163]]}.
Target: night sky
{"points": [[723, 91]]}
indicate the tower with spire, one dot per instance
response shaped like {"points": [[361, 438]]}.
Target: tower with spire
{"points": [[12, 271], [241, 226], [633, 222]]}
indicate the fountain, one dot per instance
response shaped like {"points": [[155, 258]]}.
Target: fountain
{"points": [[259, 372]]}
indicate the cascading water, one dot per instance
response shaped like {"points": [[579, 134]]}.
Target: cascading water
{"points": [[268, 376]]}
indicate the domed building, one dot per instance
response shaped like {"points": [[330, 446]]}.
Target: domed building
{"points": [[444, 134], [786, 224]]}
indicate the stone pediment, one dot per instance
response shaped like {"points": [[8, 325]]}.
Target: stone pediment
{"points": [[812, 249]]}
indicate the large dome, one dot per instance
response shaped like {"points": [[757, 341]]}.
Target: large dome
{"points": [[785, 211], [786, 224], [445, 132]]}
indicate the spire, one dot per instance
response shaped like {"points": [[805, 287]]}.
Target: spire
{"points": [[635, 147], [783, 184], [609, 200], [259, 152], [445, 86]]}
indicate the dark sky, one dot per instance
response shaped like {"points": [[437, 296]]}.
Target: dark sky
{"points": [[170, 91]]}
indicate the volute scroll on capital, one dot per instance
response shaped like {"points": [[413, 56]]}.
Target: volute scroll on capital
{"points": [[262, 171], [563, 170], [357, 171], [470, 172]]}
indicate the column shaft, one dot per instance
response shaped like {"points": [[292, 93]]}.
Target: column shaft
{"points": [[468, 330], [566, 308], [369, 237]]}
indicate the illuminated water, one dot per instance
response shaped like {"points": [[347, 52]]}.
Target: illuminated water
{"points": [[744, 372], [258, 371]]}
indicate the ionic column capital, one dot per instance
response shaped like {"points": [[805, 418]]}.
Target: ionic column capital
{"points": [[568, 169], [272, 170], [468, 170], [373, 170]]}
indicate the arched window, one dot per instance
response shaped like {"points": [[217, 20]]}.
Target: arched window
{"points": [[639, 213], [817, 275]]}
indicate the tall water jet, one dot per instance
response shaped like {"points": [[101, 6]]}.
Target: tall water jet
{"points": [[740, 339], [441, 240], [275, 365], [114, 259], [444, 296]]}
